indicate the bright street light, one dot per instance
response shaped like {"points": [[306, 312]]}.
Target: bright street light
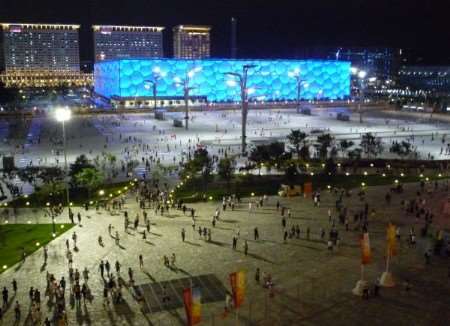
{"points": [[63, 114], [362, 74], [241, 80]]}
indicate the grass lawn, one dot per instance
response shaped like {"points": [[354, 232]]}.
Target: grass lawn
{"points": [[77, 196], [15, 237], [193, 190]]}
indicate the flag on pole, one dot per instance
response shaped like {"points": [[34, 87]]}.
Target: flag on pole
{"points": [[187, 299], [237, 281], [196, 306], [391, 240], [192, 305], [366, 255]]}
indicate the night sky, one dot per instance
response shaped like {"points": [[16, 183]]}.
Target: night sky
{"points": [[266, 29]]}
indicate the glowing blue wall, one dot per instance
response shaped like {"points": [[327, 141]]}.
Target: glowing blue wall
{"points": [[270, 78]]}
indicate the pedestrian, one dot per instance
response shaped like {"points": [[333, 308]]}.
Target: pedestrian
{"points": [[117, 266], [173, 260], [5, 296], [256, 233], [257, 275], [285, 236], [107, 267], [130, 274], [14, 285], [17, 311], [79, 218], [102, 268], [141, 261], [234, 242], [183, 234], [245, 248], [105, 294], [74, 238]]}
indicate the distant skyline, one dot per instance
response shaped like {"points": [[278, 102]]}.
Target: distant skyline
{"points": [[266, 29]]}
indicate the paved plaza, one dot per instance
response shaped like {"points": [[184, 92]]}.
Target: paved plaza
{"points": [[312, 285], [136, 137]]}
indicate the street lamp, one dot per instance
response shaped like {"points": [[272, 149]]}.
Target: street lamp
{"points": [[242, 79], [62, 115], [296, 75], [185, 83], [153, 83], [361, 75]]}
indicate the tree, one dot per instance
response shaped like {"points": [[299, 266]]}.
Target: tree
{"points": [[81, 162], [355, 154], [371, 145], [324, 141], [269, 154], [225, 170], [344, 145], [51, 177], [290, 173], [90, 178], [297, 139], [402, 149]]}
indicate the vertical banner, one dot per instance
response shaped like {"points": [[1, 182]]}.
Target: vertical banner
{"points": [[196, 311], [366, 255], [187, 299], [192, 305], [237, 281], [391, 240], [307, 188]]}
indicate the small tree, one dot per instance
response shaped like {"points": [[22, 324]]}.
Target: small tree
{"points": [[297, 139], [402, 149], [371, 145], [355, 154], [225, 170], [344, 145], [81, 162], [324, 143], [90, 178]]}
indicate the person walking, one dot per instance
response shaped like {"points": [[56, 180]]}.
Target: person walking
{"points": [[245, 248], [257, 275], [102, 268], [5, 296], [117, 266], [183, 234], [14, 285], [17, 311], [256, 234], [141, 262]]}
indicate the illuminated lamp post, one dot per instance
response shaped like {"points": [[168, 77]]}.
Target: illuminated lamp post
{"points": [[185, 83], [242, 79], [62, 115], [299, 82]]}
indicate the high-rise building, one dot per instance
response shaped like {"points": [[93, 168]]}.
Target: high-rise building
{"points": [[117, 42], [39, 47], [191, 42]]}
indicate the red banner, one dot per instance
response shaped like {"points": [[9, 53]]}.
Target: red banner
{"points": [[391, 240], [366, 255], [187, 299], [237, 281], [192, 305]]}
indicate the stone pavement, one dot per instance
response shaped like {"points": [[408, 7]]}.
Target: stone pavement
{"points": [[312, 285]]}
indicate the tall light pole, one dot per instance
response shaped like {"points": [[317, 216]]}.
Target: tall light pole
{"points": [[62, 115], [185, 83], [153, 83], [299, 82], [242, 79]]}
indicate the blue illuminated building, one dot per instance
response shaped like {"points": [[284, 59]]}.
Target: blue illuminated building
{"points": [[269, 80]]}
